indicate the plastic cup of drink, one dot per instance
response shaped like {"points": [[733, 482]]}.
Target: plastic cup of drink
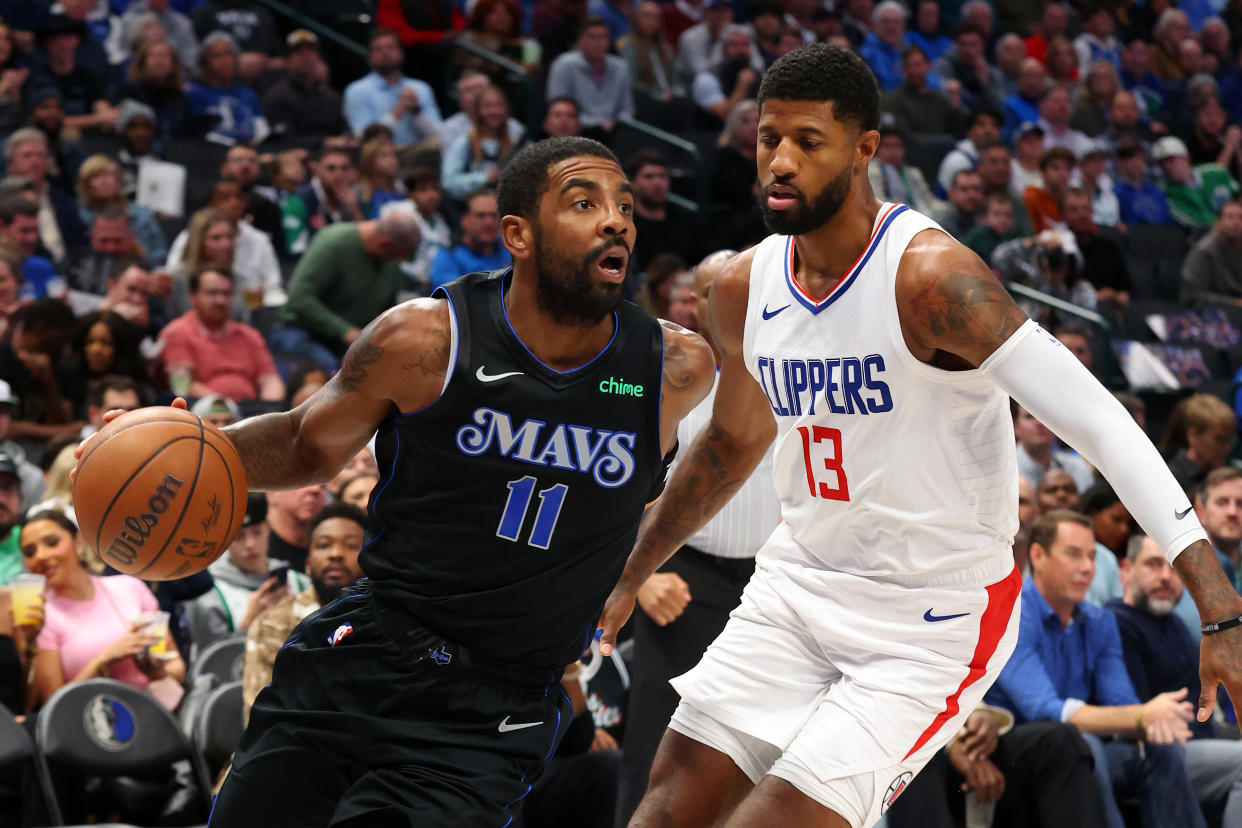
{"points": [[26, 589], [156, 623]]}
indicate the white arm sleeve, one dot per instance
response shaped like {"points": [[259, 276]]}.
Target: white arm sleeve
{"points": [[1049, 382]]}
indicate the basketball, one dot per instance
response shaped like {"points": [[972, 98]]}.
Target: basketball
{"points": [[160, 494]]}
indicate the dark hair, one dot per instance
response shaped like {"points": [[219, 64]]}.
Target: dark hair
{"points": [[112, 212], [123, 264], [1044, 529], [55, 516], [1216, 477], [373, 131], [421, 176], [984, 112], [819, 72], [1098, 498], [992, 144], [333, 149], [1129, 149], [127, 359], [1057, 154], [561, 99], [912, 49], [969, 27], [16, 204], [380, 32], [340, 490], [47, 312], [1072, 329], [96, 389], [482, 192], [590, 22], [196, 278], [646, 157], [524, 179], [758, 8], [337, 509], [960, 173]]}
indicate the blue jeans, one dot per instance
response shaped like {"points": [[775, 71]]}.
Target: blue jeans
{"points": [[284, 338], [1156, 776]]}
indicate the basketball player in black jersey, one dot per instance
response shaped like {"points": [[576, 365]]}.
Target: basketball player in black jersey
{"points": [[523, 418]]}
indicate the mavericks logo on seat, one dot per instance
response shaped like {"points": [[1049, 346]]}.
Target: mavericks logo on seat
{"points": [[109, 723]]}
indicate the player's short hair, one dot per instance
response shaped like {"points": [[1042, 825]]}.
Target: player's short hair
{"points": [[820, 72], [1044, 529], [337, 509], [524, 179]]}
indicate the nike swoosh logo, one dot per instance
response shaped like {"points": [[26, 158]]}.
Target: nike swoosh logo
{"points": [[1183, 513], [927, 616], [767, 314], [483, 376], [505, 727]]}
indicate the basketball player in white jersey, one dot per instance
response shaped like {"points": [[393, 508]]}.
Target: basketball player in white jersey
{"points": [[879, 353]]}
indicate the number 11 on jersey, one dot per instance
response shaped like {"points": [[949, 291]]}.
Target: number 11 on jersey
{"points": [[814, 436], [517, 504]]}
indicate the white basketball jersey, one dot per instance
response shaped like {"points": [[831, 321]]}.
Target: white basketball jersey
{"points": [[885, 466]]}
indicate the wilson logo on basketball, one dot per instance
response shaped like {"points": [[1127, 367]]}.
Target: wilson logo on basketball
{"points": [[124, 547]]}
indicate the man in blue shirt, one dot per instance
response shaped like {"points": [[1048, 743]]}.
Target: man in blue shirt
{"points": [[480, 247], [1161, 656], [405, 105], [1141, 199], [1068, 666], [881, 47]]}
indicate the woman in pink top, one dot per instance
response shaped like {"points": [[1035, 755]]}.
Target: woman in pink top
{"points": [[91, 623]]}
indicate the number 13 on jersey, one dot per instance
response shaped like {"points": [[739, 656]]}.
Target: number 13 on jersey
{"points": [[825, 476]]}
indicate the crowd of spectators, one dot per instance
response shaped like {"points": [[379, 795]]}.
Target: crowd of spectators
{"points": [[200, 199]]}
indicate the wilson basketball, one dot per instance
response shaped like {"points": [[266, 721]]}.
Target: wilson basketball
{"points": [[160, 494]]}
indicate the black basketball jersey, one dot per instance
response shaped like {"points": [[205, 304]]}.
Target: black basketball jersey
{"points": [[507, 508]]}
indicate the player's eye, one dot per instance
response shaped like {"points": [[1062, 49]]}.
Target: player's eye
{"points": [[582, 204]]}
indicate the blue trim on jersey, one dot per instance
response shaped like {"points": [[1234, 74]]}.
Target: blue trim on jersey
{"points": [[547, 758], [312, 618], [815, 306], [452, 365], [616, 326], [392, 473]]}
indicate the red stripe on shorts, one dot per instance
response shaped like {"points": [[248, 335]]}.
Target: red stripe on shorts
{"points": [[1001, 598]]}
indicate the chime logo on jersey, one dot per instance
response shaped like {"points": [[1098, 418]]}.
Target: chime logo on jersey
{"points": [[608, 456], [841, 385]]}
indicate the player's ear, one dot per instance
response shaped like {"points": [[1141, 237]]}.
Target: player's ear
{"points": [[518, 236], [868, 143]]}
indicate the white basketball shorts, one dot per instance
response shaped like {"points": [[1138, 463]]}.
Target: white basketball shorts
{"points": [[845, 686]]}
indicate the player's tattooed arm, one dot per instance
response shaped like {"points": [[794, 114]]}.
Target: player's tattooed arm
{"points": [[954, 312], [398, 361], [688, 372], [1220, 653]]}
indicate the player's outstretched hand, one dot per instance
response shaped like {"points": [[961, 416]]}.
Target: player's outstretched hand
{"points": [[109, 416], [617, 610], [664, 597], [1220, 662]]}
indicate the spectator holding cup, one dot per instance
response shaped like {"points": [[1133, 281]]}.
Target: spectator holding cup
{"points": [[93, 626]]}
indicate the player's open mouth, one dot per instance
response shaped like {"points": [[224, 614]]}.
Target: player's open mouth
{"points": [[612, 265], [780, 197]]}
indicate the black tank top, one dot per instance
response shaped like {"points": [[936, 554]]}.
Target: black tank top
{"points": [[507, 508]]}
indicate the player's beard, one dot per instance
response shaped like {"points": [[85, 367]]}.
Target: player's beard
{"points": [[565, 291], [808, 217]]}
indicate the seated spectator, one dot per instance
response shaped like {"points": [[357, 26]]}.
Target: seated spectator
{"points": [[1023, 105], [1140, 200], [983, 128], [1062, 63], [1056, 490], [209, 240], [155, 79], [93, 626], [19, 233], [243, 584], [1103, 264], [1195, 194], [289, 514], [476, 159], [222, 356], [99, 184], [104, 344], [82, 87], [32, 362], [217, 410], [926, 32], [1096, 43], [30, 477], [919, 107], [881, 47], [1028, 148], [892, 179], [335, 538], [496, 25], [1137, 78], [111, 240], [1212, 272], [405, 105], [1069, 666], [241, 164], [357, 490], [995, 226], [659, 226], [329, 197], [47, 116], [1095, 181], [469, 86], [654, 295], [1124, 123], [958, 215], [698, 45], [733, 168], [1038, 451], [350, 274], [717, 90], [10, 519], [1198, 438], [1218, 505], [1054, 118], [999, 171], [252, 27], [1093, 98], [177, 28], [362, 463], [377, 176], [1043, 204], [1112, 525], [10, 287], [480, 248], [423, 186], [60, 227], [303, 105], [597, 81], [982, 85], [1211, 139], [13, 75], [1161, 657], [132, 292], [1077, 340], [224, 110], [649, 54]]}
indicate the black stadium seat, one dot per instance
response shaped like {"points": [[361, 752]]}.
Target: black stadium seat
{"points": [[218, 728]]}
